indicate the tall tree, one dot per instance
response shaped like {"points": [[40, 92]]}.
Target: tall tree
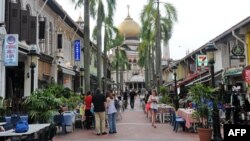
{"points": [[98, 6], [97, 10], [87, 58], [163, 24]]}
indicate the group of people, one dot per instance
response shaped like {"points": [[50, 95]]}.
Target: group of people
{"points": [[97, 105]]}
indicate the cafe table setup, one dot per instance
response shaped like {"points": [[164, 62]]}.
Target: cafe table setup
{"points": [[186, 114], [33, 129], [164, 112]]}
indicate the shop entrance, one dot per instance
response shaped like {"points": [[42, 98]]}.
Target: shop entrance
{"points": [[15, 87], [15, 81]]}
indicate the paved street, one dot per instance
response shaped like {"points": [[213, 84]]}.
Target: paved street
{"points": [[133, 127]]}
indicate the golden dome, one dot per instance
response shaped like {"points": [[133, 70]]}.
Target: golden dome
{"points": [[129, 28]]}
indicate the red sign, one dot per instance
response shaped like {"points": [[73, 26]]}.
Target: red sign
{"points": [[246, 74]]}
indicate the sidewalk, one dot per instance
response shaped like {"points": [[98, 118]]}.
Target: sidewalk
{"points": [[134, 126]]}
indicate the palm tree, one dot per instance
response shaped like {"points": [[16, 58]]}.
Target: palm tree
{"points": [[79, 3], [149, 17], [97, 9], [120, 60]]}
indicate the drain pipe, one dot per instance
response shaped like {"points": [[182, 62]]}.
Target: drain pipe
{"points": [[245, 45]]}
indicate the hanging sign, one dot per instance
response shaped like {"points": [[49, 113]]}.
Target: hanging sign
{"points": [[201, 62], [77, 48], [11, 50], [246, 74]]}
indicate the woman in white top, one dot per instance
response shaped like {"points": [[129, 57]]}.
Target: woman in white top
{"points": [[111, 110], [153, 100]]}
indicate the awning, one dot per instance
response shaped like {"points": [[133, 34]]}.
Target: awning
{"points": [[136, 78], [190, 78], [205, 78], [68, 71], [233, 71]]}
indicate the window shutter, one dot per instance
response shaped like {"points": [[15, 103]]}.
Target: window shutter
{"points": [[41, 29], [14, 18], [32, 30], [24, 24], [59, 41]]}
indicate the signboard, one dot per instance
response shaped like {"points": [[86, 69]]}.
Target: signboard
{"points": [[238, 52], [11, 50], [201, 62], [246, 74], [77, 48]]}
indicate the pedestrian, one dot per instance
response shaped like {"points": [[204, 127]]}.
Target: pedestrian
{"points": [[125, 98], [99, 102], [132, 98], [153, 100], [88, 114], [111, 110]]}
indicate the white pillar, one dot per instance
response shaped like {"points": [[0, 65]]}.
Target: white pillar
{"points": [[2, 67], [2, 11]]}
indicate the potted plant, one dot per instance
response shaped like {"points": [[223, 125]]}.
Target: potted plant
{"points": [[201, 95]]}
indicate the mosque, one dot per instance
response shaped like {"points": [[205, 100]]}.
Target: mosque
{"points": [[133, 78]]}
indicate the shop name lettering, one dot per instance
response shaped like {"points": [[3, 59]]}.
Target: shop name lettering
{"points": [[237, 132], [10, 51]]}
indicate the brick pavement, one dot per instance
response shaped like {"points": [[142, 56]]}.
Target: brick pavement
{"points": [[134, 126]]}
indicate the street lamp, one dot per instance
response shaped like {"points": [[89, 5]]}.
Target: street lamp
{"points": [[82, 74], [176, 101], [210, 49], [32, 53]]}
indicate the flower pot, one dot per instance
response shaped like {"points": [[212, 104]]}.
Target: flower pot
{"points": [[205, 134]]}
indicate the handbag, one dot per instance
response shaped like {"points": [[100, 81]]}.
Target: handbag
{"points": [[22, 126]]}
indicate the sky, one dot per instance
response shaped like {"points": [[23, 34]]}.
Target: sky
{"points": [[199, 21]]}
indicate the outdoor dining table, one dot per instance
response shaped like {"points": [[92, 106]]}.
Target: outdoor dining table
{"points": [[33, 128], [186, 114], [2, 123]]}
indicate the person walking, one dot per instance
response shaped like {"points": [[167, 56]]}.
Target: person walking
{"points": [[153, 100], [99, 102], [132, 98], [88, 114], [125, 98], [111, 110]]}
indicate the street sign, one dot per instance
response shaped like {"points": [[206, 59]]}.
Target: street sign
{"points": [[77, 49]]}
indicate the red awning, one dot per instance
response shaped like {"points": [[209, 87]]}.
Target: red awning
{"points": [[190, 78]]}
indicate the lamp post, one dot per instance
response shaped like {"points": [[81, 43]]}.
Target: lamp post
{"points": [[210, 49], [32, 53], [176, 101], [82, 73]]}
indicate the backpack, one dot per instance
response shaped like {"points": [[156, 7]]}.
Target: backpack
{"points": [[22, 126], [117, 105]]}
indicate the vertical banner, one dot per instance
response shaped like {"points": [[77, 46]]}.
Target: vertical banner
{"points": [[11, 50], [77, 49]]}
